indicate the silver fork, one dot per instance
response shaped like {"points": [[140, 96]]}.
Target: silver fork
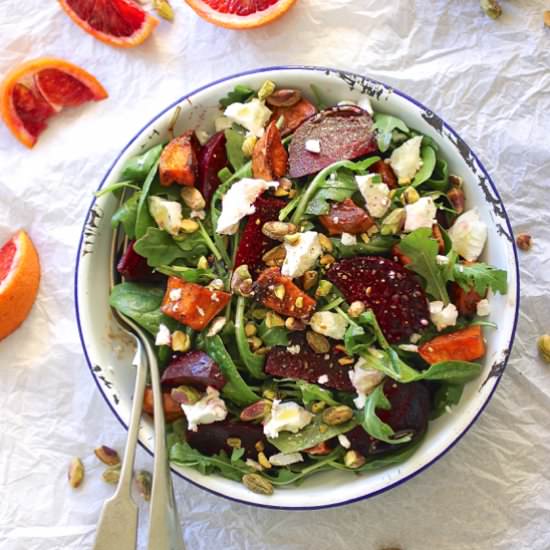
{"points": [[117, 526]]}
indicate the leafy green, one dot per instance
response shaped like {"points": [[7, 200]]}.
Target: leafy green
{"points": [[127, 215], [137, 168], [114, 187], [481, 277], [428, 165], [158, 247], [373, 425], [439, 179], [236, 389], [193, 246], [252, 361], [234, 146], [312, 392], [446, 395], [274, 336], [290, 206], [188, 274], [311, 435], [362, 333], [401, 454], [224, 174], [384, 126], [379, 244], [422, 249], [318, 98], [239, 94], [342, 187], [144, 218], [141, 303]]}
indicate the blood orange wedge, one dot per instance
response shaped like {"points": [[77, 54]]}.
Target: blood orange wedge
{"points": [[240, 14], [34, 91], [19, 280], [120, 23]]}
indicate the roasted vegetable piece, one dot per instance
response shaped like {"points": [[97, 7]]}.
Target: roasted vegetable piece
{"points": [[179, 162], [463, 345], [465, 300], [212, 158], [194, 368], [191, 304], [385, 170], [300, 362], [254, 244], [269, 159], [343, 133], [280, 294], [210, 439], [399, 256], [346, 217], [172, 410], [321, 449], [293, 115], [133, 267]]}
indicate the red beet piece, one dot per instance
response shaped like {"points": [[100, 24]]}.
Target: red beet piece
{"points": [[343, 133], [308, 365], [133, 267], [210, 439], [391, 291], [212, 158], [254, 244], [346, 217], [194, 368], [410, 408]]}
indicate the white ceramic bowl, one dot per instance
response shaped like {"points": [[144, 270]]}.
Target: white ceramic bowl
{"points": [[108, 354]]}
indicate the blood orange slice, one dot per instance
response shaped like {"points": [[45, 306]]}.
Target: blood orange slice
{"points": [[34, 91], [120, 23], [240, 14], [19, 280]]}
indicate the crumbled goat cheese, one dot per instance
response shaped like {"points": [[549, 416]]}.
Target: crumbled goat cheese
{"points": [[329, 324], [420, 214], [443, 316], [302, 255], [211, 408], [483, 308], [286, 417], [406, 160], [163, 336], [468, 235], [375, 193], [253, 115], [364, 380], [167, 214]]}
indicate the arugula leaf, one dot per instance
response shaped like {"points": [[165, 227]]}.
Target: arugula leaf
{"points": [[309, 436], [428, 165], [373, 425], [188, 274], [384, 126], [114, 187], [312, 392], [379, 244], [193, 246], [422, 249], [136, 168], [239, 94], [338, 189], [224, 174], [252, 361], [144, 218], [481, 277], [446, 395], [274, 336], [290, 206], [234, 146], [127, 215], [439, 179]]}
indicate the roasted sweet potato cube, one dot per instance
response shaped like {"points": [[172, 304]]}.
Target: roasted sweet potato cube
{"points": [[172, 410], [280, 294], [293, 115], [463, 345], [191, 304], [179, 161], [270, 159], [346, 217], [385, 170]]}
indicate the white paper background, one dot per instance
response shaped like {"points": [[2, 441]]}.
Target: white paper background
{"points": [[489, 80]]}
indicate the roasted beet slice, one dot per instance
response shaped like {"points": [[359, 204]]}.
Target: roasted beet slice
{"points": [[133, 267], [194, 368], [300, 362], [254, 244], [210, 439], [385, 170], [293, 115], [346, 217], [410, 408], [342, 132], [212, 158], [391, 291]]}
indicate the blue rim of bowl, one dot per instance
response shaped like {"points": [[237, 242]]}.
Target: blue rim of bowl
{"points": [[326, 70]]}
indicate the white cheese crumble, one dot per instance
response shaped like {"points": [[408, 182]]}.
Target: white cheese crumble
{"points": [[286, 417], [313, 146], [302, 255], [282, 459], [238, 202], [175, 294], [348, 239], [344, 441], [211, 408], [293, 350], [375, 193], [409, 347], [364, 380], [468, 235], [441, 260], [167, 214], [163, 336], [199, 214], [443, 316], [222, 123], [253, 115], [420, 214], [483, 308], [202, 136], [406, 161], [415, 337], [329, 324], [323, 379]]}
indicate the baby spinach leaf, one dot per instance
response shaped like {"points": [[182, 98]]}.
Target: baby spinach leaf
{"points": [[159, 247], [144, 218], [239, 94], [137, 168], [384, 126], [126, 215], [401, 454], [439, 179], [309, 436], [193, 246], [252, 361], [428, 165], [234, 146], [274, 336], [446, 395], [422, 249], [379, 244], [312, 392], [342, 187], [188, 274], [481, 277]]}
